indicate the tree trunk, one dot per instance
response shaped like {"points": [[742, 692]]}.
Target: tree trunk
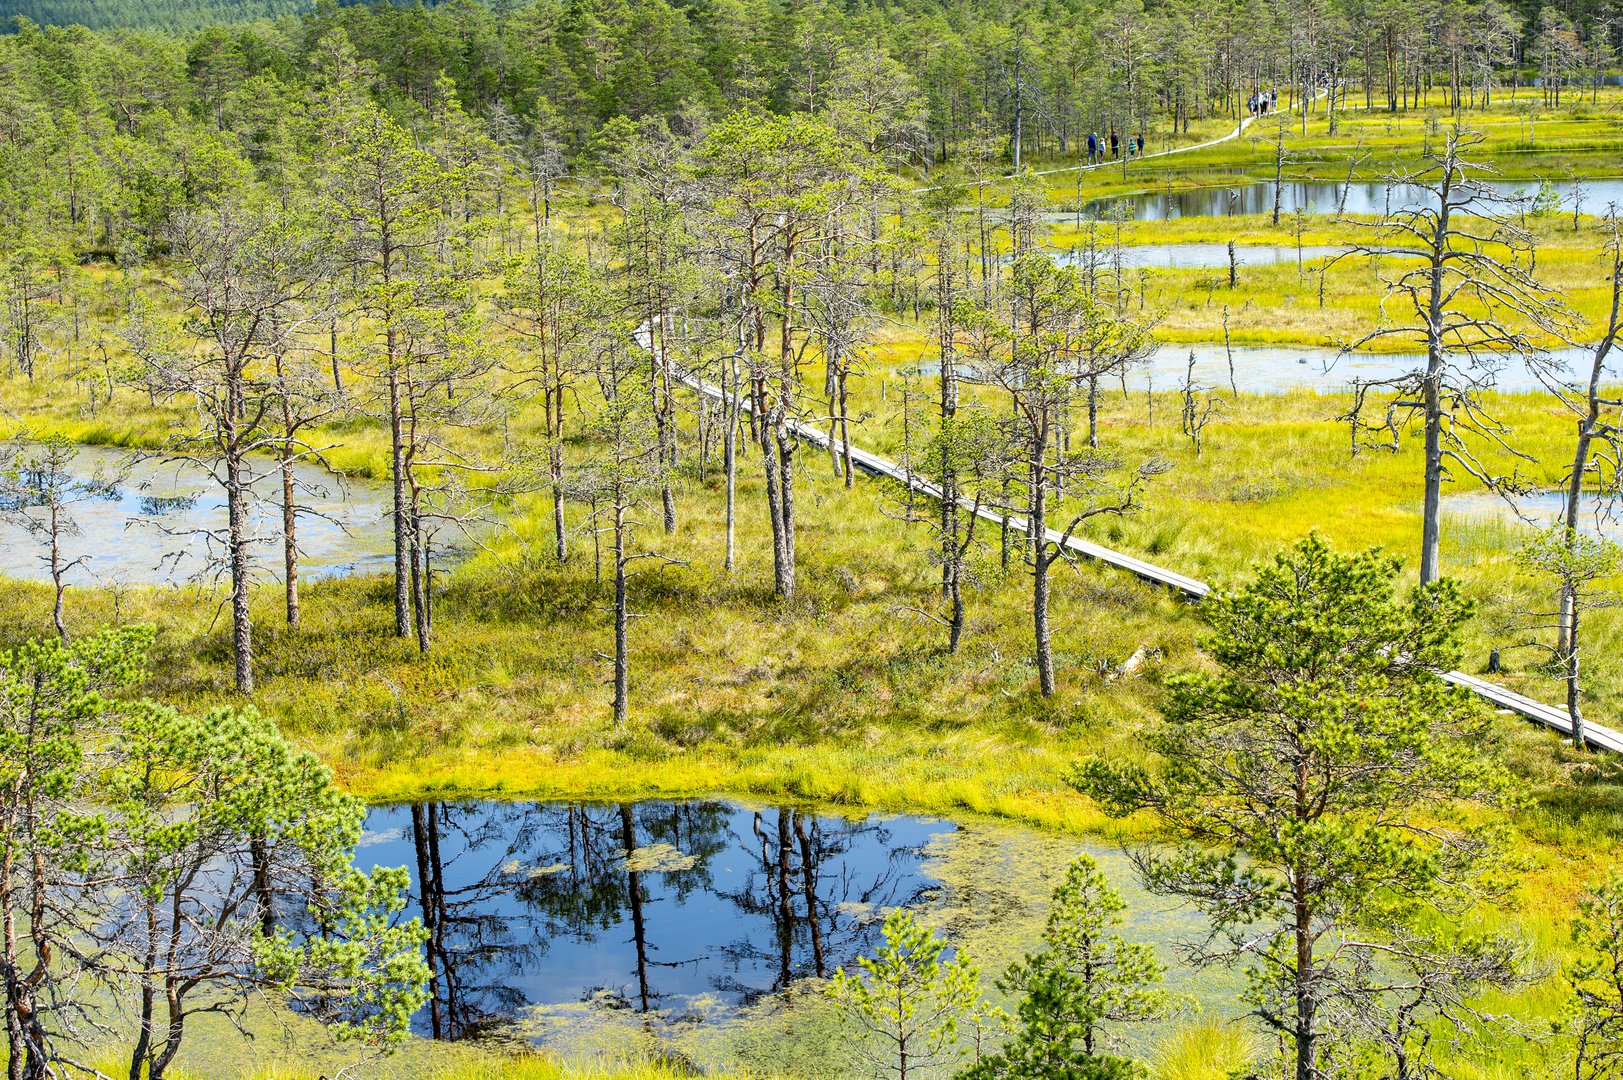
{"points": [[57, 613], [1587, 428], [1279, 170], [622, 662], [1574, 713], [1037, 527], [159, 1066], [786, 492], [1093, 412], [290, 545], [729, 458], [784, 414], [402, 526], [781, 574], [263, 897], [1306, 1033], [419, 578], [242, 646], [1431, 396], [665, 423]]}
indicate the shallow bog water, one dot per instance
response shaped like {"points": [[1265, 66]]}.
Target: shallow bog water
{"points": [[1317, 197], [1201, 256], [1538, 509], [588, 928], [1268, 369], [646, 906], [153, 529]]}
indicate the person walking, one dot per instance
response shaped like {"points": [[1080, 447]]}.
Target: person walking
{"points": [[1140, 144], [1115, 145], [1093, 148]]}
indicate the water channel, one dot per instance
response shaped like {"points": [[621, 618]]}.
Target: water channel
{"points": [[1316, 197], [1202, 256], [1269, 369]]}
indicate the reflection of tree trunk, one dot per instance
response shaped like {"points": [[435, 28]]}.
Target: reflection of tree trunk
{"points": [[628, 837], [786, 903], [808, 876], [431, 895], [260, 853]]}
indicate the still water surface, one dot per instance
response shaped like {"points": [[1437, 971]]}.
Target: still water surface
{"points": [[1269, 369], [642, 906], [153, 528], [1537, 510], [557, 921], [1202, 256], [1317, 197]]}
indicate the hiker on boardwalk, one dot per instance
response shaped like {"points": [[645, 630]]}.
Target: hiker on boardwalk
{"points": [[1115, 145], [1093, 148], [1140, 144]]}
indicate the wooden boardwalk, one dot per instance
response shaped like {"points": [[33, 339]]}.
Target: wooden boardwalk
{"points": [[1500, 697]]}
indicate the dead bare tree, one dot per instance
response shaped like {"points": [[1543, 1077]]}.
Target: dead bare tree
{"points": [[39, 487], [840, 319], [1199, 406], [1575, 562], [550, 300], [623, 477], [252, 280], [1463, 272], [1409, 988], [443, 385], [1598, 450], [303, 402], [1357, 426], [1282, 156], [1035, 342]]}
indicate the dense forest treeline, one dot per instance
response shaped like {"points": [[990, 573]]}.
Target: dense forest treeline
{"points": [[168, 15], [1044, 74]]}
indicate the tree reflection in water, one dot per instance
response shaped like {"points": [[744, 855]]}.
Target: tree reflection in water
{"points": [[821, 882], [644, 906]]}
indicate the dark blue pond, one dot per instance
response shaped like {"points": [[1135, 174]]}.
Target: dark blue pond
{"points": [[641, 906]]}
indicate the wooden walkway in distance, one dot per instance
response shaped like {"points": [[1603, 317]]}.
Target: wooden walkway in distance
{"points": [[1502, 698]]}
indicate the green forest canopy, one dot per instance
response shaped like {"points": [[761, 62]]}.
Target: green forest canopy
{"points": [[1065, 67]]}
